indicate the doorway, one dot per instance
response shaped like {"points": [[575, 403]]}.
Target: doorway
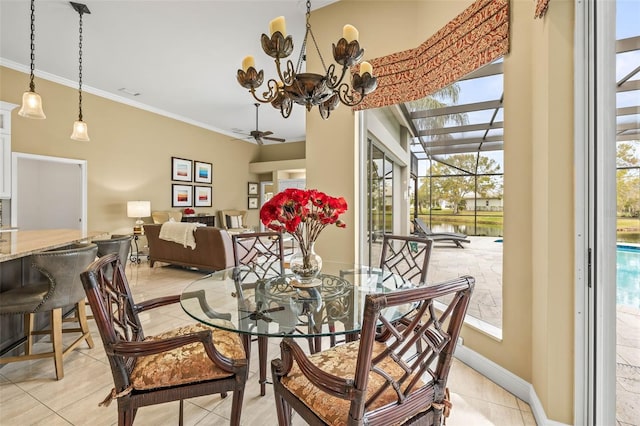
{"points": [[48, 192], [379, 202]]}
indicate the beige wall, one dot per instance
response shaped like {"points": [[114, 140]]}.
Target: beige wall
{"points": [[537, 342], [129, 155], [282, 151]]}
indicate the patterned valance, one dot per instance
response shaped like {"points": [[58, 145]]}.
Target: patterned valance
{"points": [[541, 8], [476, 37]]}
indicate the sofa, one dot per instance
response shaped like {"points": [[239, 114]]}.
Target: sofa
{"points": [[213, 251]]}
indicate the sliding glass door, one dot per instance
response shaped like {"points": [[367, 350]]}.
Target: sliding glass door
{"points": [[379, 200]]}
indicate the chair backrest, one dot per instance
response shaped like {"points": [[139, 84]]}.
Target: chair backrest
{"points": [[412, 382], [109, 296], [406, 256], [62, 268], [120, 244], [232, 219], [421, 227], [262, 252], [162, 217]]}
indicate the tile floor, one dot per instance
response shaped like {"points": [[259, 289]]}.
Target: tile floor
{"points": [[30, 395]]}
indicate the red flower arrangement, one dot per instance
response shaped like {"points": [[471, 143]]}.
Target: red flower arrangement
{"points": [[303, 214]]}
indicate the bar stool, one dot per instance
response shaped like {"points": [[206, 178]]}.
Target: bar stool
{"points": [[61, 288], [120, 244]]}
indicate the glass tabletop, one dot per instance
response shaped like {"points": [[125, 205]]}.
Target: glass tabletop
{"points": [[242, 300]]}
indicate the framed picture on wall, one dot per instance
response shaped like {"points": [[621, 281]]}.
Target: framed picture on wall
{"points": [[181, 169], [253, 188], [202, 196], [181, 195], [252, 203], [202, 172]]}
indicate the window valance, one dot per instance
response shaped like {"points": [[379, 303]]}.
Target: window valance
{"points": [[476, 37]]}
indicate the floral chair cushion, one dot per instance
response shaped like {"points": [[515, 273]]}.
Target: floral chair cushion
{"points": [[341, 361], [187, 364]]}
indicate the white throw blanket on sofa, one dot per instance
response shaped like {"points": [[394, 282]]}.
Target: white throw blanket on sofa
{"points": [[180, 232]]}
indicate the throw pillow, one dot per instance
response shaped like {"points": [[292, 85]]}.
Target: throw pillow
{"points": [[234, 222]]}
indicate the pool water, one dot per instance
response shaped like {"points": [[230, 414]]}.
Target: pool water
{"points": [[628, 276]]}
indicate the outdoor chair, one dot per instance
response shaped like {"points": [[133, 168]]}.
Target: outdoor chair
{"points": [[378, 380], [421, 229], [186, 362]]}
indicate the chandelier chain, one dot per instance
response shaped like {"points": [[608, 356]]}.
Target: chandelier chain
{"points": [[303, 51], [32, 85], [80, 69]]}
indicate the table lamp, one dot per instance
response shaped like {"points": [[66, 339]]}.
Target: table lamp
{"points": [[138, 209]]}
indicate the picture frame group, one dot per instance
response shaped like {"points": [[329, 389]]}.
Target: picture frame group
{"points": [[196, 172], [252, 191]]}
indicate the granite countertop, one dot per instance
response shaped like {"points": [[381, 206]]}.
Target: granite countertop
{"points": [[15, 243]]}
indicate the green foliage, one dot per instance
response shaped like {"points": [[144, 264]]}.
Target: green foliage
{"points": [[628, 179], [452, 189]]}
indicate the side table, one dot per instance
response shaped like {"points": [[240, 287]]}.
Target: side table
{"points": [[136, 255], [207, 220]]}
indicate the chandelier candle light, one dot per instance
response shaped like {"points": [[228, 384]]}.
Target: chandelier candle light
{"points": [[303, 214], [309, 89]]}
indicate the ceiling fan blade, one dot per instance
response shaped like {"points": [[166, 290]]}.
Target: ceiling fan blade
{"points": [[259, 141], [275, 139], [267, 133]]}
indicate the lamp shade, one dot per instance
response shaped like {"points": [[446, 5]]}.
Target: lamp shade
{"points": [[31, 106], [138, 209], [80, 132]]}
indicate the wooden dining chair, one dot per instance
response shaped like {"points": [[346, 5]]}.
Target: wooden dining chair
{"points": [[262, 251], [406, 257], [258, 256], [186, 362], [378, 380]]}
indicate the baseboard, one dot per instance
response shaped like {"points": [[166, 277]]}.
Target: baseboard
{"points": [[509, 381]]}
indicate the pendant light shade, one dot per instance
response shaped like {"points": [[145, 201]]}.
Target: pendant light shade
{"points": [[31, 101], [80, 130], [31, 106]]}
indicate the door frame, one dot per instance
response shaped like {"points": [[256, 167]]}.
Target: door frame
{"points": [[595, 200], [15, 156]]}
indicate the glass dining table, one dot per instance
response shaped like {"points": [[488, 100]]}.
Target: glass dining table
{"points": [[249, 302]]}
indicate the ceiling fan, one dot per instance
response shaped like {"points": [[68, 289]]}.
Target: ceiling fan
{"points": [[259, 135]]}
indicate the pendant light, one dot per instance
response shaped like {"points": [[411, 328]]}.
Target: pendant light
{"points": [[80, 131], [31, 101]]}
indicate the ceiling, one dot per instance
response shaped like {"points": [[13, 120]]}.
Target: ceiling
{"points": [[180, 56]]}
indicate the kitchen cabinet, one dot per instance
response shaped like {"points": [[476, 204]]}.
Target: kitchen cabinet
{"points": [[5, 149]]}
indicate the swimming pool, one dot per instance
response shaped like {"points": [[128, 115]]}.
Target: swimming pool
{"points": [[628, 276]]}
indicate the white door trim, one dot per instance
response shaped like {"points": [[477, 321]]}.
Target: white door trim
{"points": [[595, 214], [14, 182]]}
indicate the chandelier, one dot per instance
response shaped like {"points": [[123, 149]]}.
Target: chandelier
{"points": [[326, 91]]}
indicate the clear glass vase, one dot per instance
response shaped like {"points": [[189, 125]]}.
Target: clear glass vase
{"points": [[305, 265]]}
